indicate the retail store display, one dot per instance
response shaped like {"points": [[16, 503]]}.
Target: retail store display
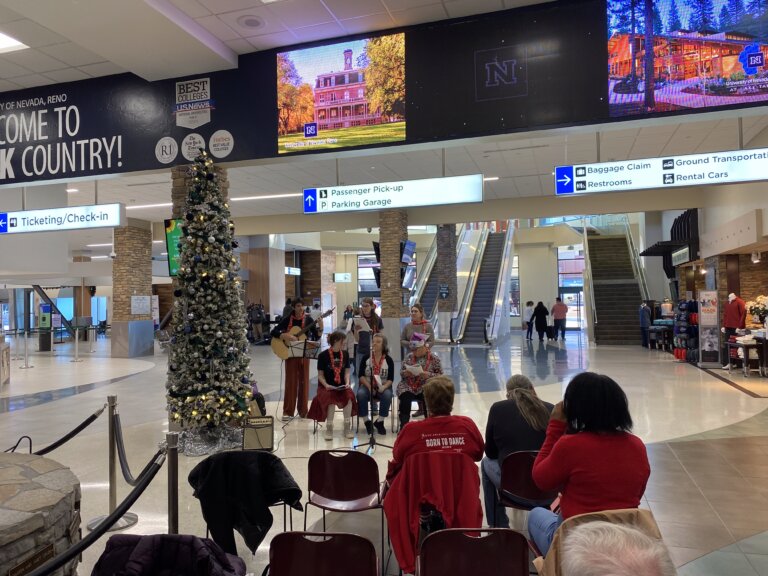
{"points": [[686, 331]]}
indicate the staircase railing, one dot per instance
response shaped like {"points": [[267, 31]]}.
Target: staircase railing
{"points": [[589, 287], [634, 255], [47, 299], [471, 283], [500, 311]]}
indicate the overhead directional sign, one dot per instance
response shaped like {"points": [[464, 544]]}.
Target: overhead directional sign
{"points": [[405, 194], [56, 219], [667, 171]]}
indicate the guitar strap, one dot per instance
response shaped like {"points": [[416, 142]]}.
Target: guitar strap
{"points": [[290, 323]]}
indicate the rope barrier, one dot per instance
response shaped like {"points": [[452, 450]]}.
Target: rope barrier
{"points": [[130, 480], [19, 441], [64, 439], [67, 437], [97, 532]]}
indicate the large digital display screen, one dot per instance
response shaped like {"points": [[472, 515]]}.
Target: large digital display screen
{"points": [[706, 54], [339, 95]]}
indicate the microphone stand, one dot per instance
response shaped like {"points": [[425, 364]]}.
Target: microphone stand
{"points": [[371, 445]]}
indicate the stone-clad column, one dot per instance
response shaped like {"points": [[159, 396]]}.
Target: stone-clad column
{"points": [[446, 277], [132, 333], [393, 229]]}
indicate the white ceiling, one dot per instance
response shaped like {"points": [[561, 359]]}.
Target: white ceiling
{"points": [[78, 39]]}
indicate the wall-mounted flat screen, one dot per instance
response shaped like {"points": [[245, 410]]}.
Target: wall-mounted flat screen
{"points": [[705, 54], [406, 254], [342, 277], [173, 235], [349, 93]]}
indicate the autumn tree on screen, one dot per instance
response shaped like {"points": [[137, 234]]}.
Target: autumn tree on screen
{"points": [[384, 64]]}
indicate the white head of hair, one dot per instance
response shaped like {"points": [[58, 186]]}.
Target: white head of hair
{"points": [[608, 549]]}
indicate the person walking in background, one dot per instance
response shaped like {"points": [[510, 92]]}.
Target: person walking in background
{"points": [[348, 313], [645, 323], [288, 308], [527, 315], [559, 313], [539, 319]]}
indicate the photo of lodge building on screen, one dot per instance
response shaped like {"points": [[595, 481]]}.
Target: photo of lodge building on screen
{"points": [[699, 59], [340, 100]]}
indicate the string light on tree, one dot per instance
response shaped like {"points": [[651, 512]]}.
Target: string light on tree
{"points": [[208, 375]]}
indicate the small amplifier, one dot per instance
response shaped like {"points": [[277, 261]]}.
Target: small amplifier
{"points": [[259, 433]]}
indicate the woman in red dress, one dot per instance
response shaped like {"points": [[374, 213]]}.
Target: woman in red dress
{"points": [[333, 388]]}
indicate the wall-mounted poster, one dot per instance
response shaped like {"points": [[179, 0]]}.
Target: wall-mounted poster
{"points": [[706, 54], [345, 94]]}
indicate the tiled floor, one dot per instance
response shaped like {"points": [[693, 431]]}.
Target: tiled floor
{"points": [[707, 440]]}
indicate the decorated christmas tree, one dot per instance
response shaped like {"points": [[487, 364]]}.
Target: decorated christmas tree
{"points": [[208, 375]]}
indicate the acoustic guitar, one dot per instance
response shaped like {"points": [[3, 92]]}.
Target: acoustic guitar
{"points": [[282, 350]]}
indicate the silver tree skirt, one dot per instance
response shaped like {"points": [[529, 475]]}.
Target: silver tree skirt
{"points": [[204, 441]]}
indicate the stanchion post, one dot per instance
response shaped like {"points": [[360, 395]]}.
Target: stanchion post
{"points": [[77, 346], [172, 444], [26, 353], [129, 518], [112, 402], [16, 345], [92, 338]]}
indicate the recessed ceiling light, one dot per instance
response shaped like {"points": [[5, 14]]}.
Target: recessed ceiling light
{"points": [[72, 190], [267, 197], [164, 204], [8, 44], [250, 21]]}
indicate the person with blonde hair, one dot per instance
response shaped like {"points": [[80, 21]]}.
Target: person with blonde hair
{"points": [[440, 430], [607, 549], [515, 424]]}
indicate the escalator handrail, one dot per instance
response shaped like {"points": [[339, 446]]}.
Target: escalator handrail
{"points": [[469, 292], [502, 284], [55, 309]]}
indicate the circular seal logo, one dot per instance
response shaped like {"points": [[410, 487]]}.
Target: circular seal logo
{"points": [[221, 143], [166, 150], [190, 146]]}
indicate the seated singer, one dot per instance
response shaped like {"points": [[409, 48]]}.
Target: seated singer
{"points": [[296, 369], [376, 374], [419, 366], [333, 388]]}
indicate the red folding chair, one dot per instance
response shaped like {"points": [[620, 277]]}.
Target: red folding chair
{"points": [[344, 481], [321, 554], [460, 551]]}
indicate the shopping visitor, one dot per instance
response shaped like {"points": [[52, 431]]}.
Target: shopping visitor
{"points": [[539, 319]]}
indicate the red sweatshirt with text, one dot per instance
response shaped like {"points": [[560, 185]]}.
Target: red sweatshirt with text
{"points": [[454, 433]]}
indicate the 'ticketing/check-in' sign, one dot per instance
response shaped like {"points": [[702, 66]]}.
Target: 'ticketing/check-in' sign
{"points": [[405, 194], [58, 219], [672, 171]]}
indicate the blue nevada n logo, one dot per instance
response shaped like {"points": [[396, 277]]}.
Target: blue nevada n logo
{"points": [[3, 223], [501, 73]]}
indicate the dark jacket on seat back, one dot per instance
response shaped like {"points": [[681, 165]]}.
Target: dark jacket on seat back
{"points": [[165, 555], [235, 490]]}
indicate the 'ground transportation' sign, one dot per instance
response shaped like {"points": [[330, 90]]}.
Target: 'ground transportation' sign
{"points": [[672, 171]]}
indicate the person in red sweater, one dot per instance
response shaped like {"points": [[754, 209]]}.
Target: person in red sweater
{"points": [[440, 431], [589, 455]]}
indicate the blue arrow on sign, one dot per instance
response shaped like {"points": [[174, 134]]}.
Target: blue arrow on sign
{"points": [[310, 200], [564, 180], [3, 223]]}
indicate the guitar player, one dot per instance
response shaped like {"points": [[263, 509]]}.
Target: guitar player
{"points": [[296, 369]]}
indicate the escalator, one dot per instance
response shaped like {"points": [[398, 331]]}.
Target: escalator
{"points": [[45, 298], [429, 298], [485, 290]]}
